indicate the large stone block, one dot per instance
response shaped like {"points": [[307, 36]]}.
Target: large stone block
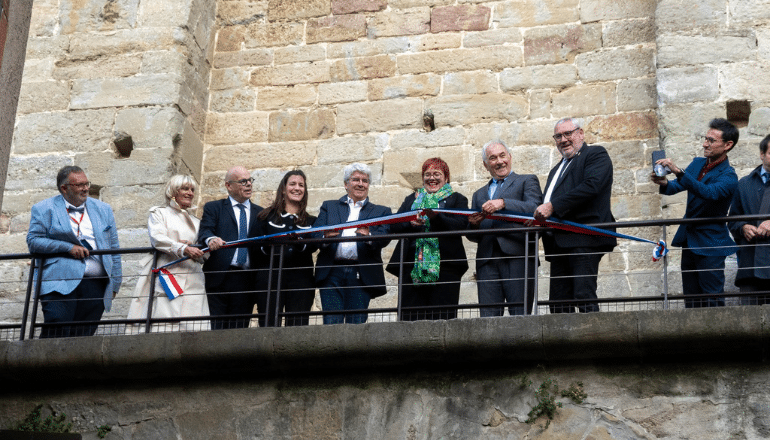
{"points": [[635, 206], [229, 78], [405, 4], [337, 93], [688, 84], [258, 156], [404, 86], [93, 45], [616, 64], [763, 44], [56, 47], [637, 94], [15, 202], [150, 127], [441, 137], [190, 152], [682, 50], [252, 57], [274, 98], [759, 121], [548, 76], [585, 100], [627, 126], [95, 15], [233, 100], [627, 154], [273, 34], [471, 83], [340, 7], [399, 22], [290, 74], [379, 116], [288, 10], [229, 128], [470, 109], [354, 69], [367, 48], [144, 167], [459, 18], [399, 164], [240, 12], [675, 16], [338, 150], [30, 172], [426, 42], [299, 54], [741, 81], [517, 133], [108, 67], [686, 120], [625, 32], [121, 92], [132, 204], [155, 62], [89, 130], [336, 28], [560, 44], [297, 126], [606, 10], [45, 18], [494, 58], [43, 97], [539, 104], [231, 38], [38, 70], [530, 13], [493, 37]]}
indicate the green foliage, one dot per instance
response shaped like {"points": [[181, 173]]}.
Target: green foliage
{"points": [[102, 431], [524, 381], [35, 423], [575, 392]]}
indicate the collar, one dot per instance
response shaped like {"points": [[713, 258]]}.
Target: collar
{"points": [[69, 205], [233, 202], [350, 201]]}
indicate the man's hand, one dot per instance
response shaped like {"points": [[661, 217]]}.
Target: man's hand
{"points": [[78, 252], [764, 229], [666, 162], [475, 219], [658, 180], [328, 234], [216, 243], [193, 252], [363, 231], [750, 232], [492, 206], [543, 212]]}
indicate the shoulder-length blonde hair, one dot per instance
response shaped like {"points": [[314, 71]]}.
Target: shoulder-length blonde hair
{"points": [[177, 182]]}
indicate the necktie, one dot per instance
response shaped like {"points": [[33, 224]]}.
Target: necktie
{"points": [[242, 232], [766, 179], [79, 210], [497, 188]]}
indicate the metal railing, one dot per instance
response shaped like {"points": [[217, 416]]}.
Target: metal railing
{"points": [[661, 298]]}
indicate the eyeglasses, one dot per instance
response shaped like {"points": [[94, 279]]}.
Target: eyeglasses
{"points": [[79, 185], [242, 182], [711, 140], [557, 137], [358, 180], [435, 175]]}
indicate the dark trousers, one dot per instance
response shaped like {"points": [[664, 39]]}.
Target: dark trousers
{"points": [[573, 276], [234, 296], [85, 303], [702, 274], [755, 285], [297, 295], [501, 279], [446, 291], [343, 290]]}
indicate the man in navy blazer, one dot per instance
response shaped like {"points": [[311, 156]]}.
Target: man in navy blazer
{"points": [[349, 274], [578, 190], [710, 183], [500, 259], [78, 287], [230, 282], [753, 236]]}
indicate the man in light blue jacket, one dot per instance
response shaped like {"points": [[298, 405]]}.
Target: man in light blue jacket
{"points": [[77, 287]]}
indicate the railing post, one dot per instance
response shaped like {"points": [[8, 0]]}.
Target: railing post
{"points": [[151, 299], [38, 286], [269, 287], [665, 276], [537, 272], [27, 299], [526, 271], [277, 309], [399, 313]]}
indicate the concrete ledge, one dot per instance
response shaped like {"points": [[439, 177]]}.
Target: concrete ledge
{"points": [[736, 333]]}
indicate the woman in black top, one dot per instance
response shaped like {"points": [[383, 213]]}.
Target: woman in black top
{"points": [[287, 213], [440, 262]]}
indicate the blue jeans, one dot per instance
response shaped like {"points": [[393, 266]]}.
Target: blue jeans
{"points": [[343, 290]]}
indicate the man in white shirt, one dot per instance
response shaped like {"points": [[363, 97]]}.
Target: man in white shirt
{"points": [[78, 287], [230, 280], [349, 274]]}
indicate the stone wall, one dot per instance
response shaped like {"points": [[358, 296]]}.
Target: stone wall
{"points": [[274, 85]]}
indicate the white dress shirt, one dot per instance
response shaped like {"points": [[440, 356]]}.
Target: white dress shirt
{"points": [[348, 250], [84, 230]]}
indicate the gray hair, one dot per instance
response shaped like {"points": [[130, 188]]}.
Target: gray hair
{"points": [[576, 122], [177, 182], [352, 168], [489, 144], [64, 174]]}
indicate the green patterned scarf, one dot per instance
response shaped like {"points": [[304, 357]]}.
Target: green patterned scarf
{"points": [[427, 259]]}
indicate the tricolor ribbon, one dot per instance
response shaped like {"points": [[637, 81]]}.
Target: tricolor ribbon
{"points": [[169, 283], [659, 252]]}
